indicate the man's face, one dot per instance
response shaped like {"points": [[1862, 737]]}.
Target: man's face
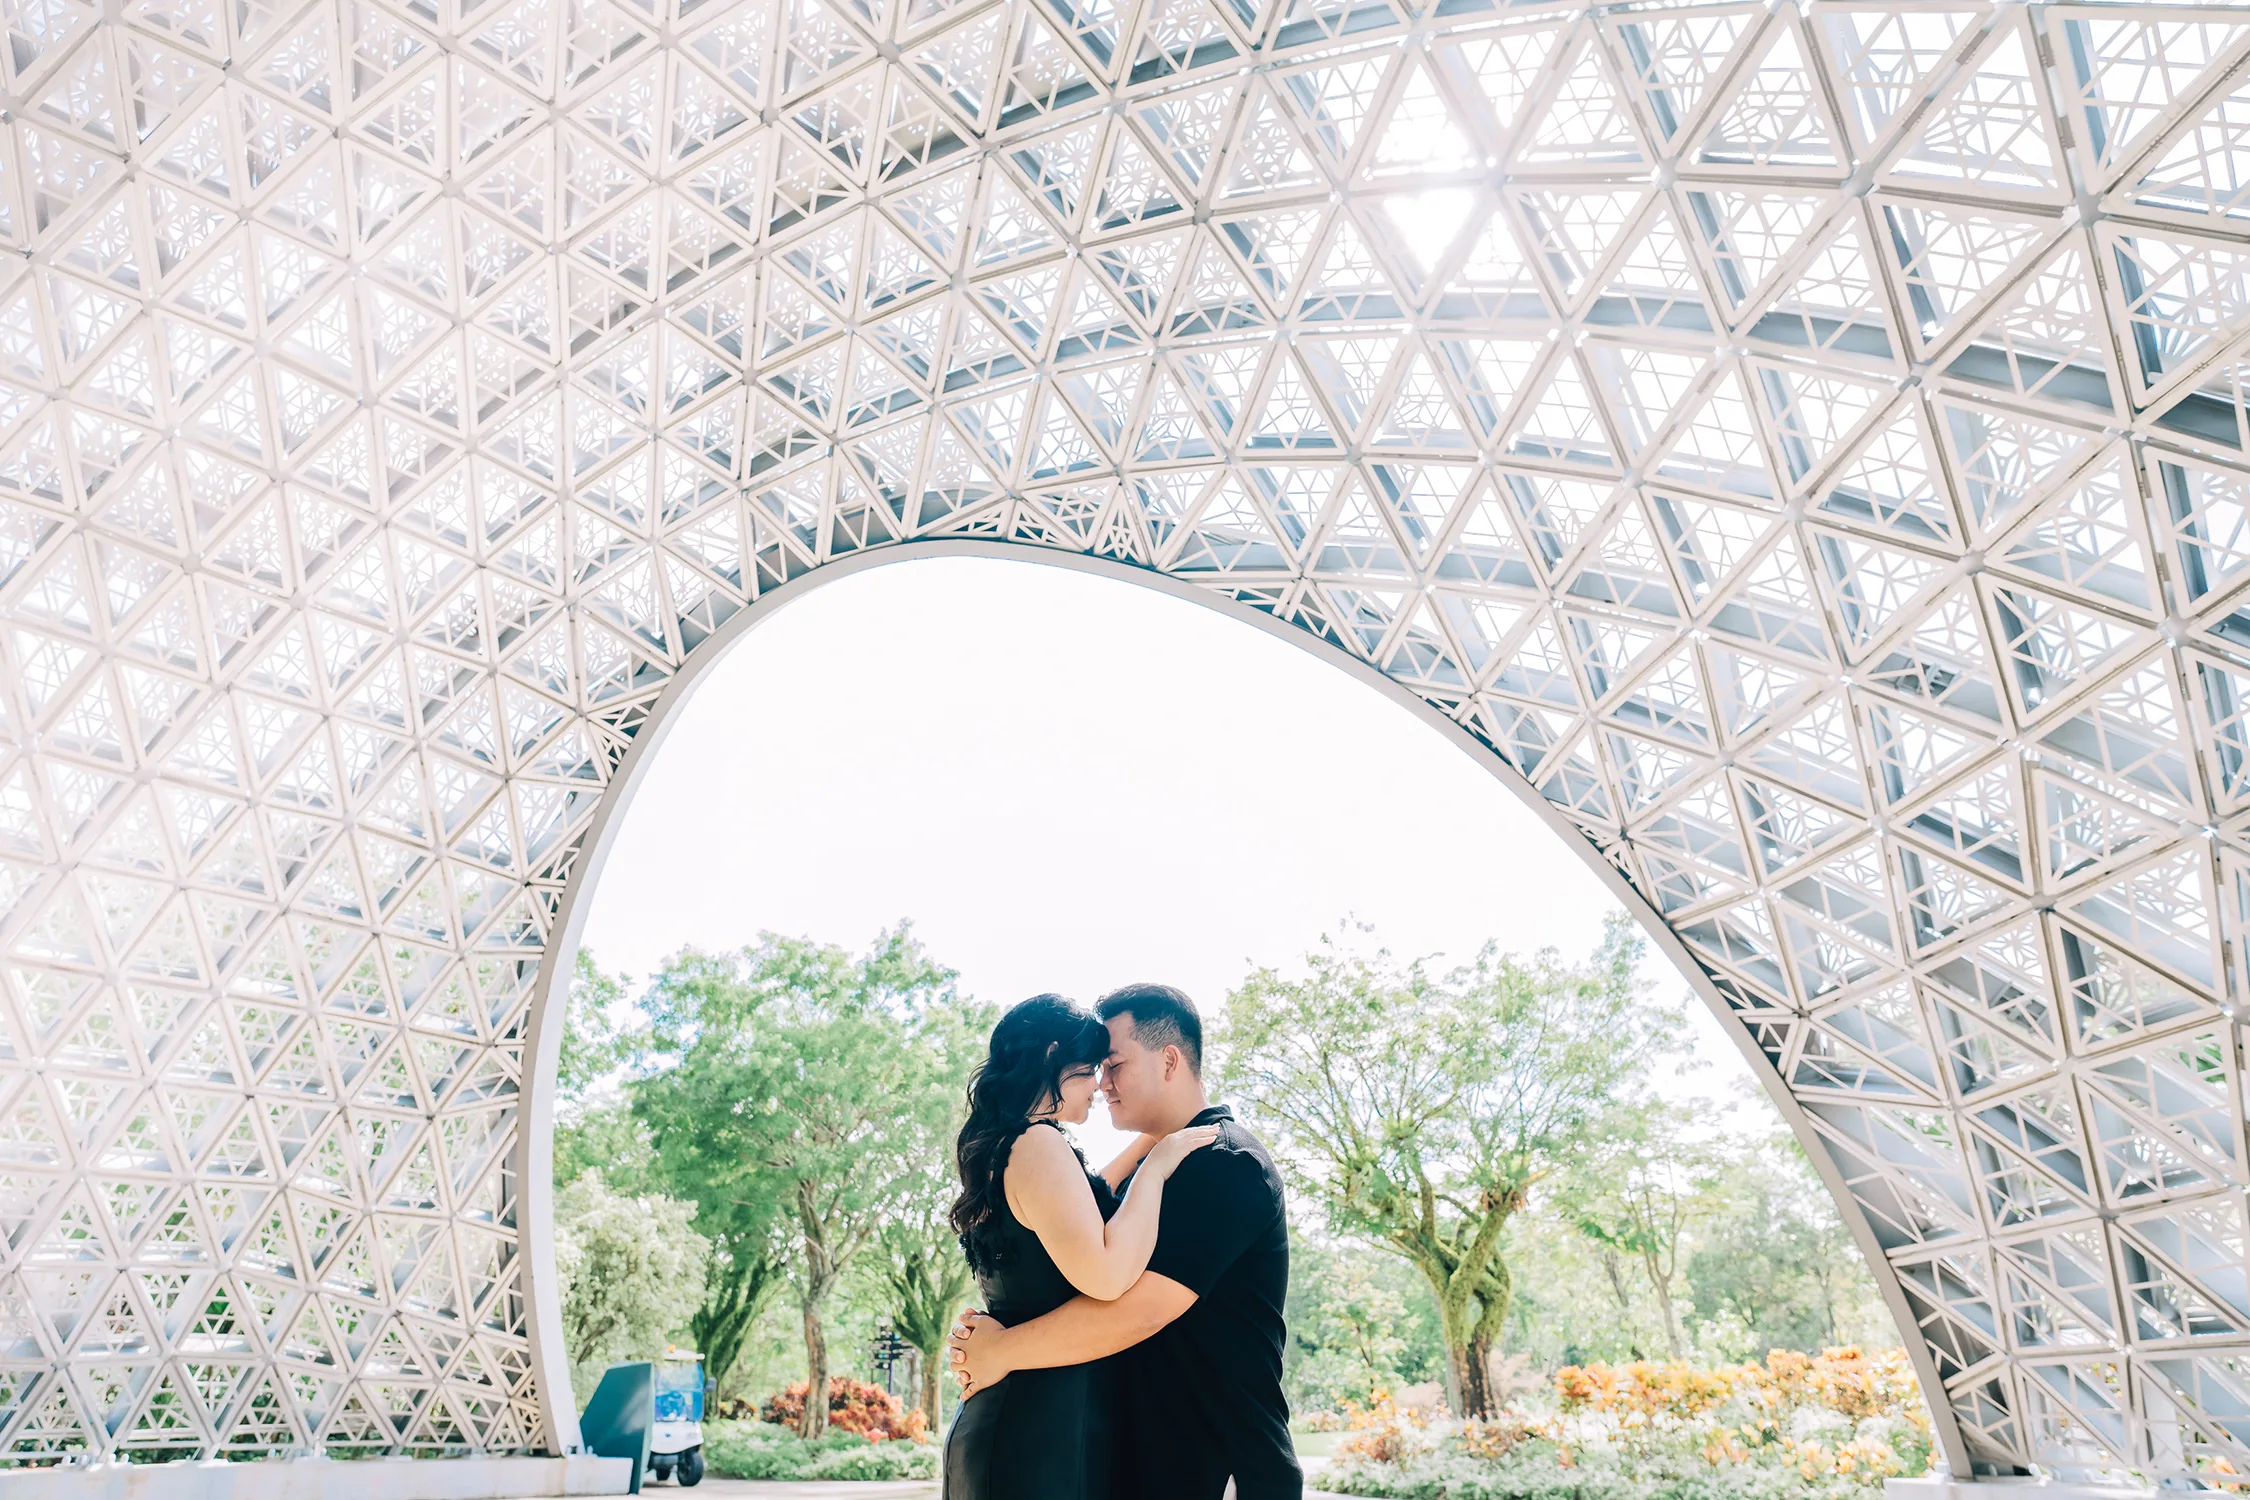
{"points": [[1132, 1077]]}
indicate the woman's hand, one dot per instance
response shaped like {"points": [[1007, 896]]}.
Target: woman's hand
{"points": [[975, 1351], [1174, 1148]]}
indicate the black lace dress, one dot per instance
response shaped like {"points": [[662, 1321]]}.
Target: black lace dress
{"points": [[1039, 1434]]}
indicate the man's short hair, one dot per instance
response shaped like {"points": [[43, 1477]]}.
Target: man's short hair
{"points": [[1162, 1017]]}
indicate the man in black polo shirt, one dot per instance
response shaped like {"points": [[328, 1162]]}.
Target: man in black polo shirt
{"points": [[1200, 1334]]}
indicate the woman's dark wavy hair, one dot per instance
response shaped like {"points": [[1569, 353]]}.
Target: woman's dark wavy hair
{"points": [[1035, 1044]]}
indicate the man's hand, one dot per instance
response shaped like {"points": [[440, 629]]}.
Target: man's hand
{"points": [[978, 1356]]}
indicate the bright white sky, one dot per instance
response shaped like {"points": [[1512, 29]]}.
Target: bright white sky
{"points": [[1069, 782]]}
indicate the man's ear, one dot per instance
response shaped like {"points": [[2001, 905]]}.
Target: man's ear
{"points": [[1173, 1057]]}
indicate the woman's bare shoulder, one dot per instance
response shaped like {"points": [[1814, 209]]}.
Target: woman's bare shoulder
{"points": [[1043, 1159], [1044, 1169], [1042, 1145]]}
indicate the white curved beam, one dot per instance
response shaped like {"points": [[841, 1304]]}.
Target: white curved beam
{"points": [[550, 998]]}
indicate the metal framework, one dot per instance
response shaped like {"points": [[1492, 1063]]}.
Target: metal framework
{"points": [[1805, 444]]}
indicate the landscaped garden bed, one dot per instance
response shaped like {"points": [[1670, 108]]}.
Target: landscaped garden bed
{"points": [[760, 1450], [1831, 1426], [870, 1436]]}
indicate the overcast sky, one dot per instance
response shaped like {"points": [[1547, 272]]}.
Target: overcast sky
{"points": [[1069, 782]]}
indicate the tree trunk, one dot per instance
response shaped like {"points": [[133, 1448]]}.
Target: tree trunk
{"points": [[1615, 1272], [1453, 1332], [1467, 1327], [1494, 1293], [821, 1271], [1468, 1392], [1660, 1282], [1661, 1285], [1456, 1377], [816, 1374], [933, 1393], [1476, 1395]]}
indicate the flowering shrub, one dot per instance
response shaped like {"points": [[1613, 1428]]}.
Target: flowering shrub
{"points": [[1497, 1437], [1830, 1426], [854, 1406], [1382, 1431], [632, 1272], [1643, 1390], [1844, 1381]]}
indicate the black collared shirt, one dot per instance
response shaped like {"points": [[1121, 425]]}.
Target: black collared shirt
{"points": [[1201, 1399]]}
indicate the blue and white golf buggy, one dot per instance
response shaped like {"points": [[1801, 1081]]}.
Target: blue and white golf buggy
{"points": [[675, 1441]]}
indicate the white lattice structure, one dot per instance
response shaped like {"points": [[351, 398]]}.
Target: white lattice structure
{"points": [[1803, 444]]}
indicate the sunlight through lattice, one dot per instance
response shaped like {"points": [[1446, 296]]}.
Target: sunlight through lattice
{"points": [[1808, 443]]}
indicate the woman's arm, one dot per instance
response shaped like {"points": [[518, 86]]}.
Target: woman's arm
{"points": [[1121, 1165], [1046, 1186]]}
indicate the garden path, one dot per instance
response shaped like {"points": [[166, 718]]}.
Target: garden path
{"points": [[787, 1489], [768, 1489]]}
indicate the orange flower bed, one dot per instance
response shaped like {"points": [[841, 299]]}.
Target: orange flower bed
{"points": [[1844, 1380], [1837, 1423]]}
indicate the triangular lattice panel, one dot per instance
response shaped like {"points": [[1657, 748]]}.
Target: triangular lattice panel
{"points": [[1808, 443]]}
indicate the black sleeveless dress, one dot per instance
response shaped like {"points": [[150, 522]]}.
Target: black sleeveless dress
{"points": [[1039, 1434]]}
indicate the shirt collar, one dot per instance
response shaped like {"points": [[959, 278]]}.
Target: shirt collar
{"points": [[1213, 1115]]}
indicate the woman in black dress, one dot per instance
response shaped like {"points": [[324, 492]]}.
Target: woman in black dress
{"points": [[1039, 1228]]}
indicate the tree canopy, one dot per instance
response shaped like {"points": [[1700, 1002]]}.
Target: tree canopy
{"points": [[594, 1126], [632, 1270], [925, 1277], [1421, 1110], [806, 1089]]}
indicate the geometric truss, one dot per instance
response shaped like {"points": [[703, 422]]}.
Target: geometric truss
{"points": [[1807, 443]]}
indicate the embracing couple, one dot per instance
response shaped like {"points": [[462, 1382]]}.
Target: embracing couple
{"points": [[1130, 1346]]}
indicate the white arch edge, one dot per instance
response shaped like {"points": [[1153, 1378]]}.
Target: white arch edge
{"points": [[535, 1146]]}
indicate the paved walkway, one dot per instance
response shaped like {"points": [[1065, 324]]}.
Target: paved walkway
{"points": [[767, 1489], [778, 1489]]}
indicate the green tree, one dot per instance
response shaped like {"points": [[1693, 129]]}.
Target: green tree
{"points": [[594, 1045], [594, 1126], [605, 1137], [1422, 1111], [1576, 1301], [1773, 1267], [632, 1273], [1643, 1186], [1758, 1259], [1348, 1326], [749, 1261], [926, 1281], [810, 1087]]}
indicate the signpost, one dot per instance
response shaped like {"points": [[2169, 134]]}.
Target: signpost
{"points": [[889, 1350]]}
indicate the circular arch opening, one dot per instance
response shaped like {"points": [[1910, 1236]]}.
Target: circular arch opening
{"points": [[644, 761]]}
